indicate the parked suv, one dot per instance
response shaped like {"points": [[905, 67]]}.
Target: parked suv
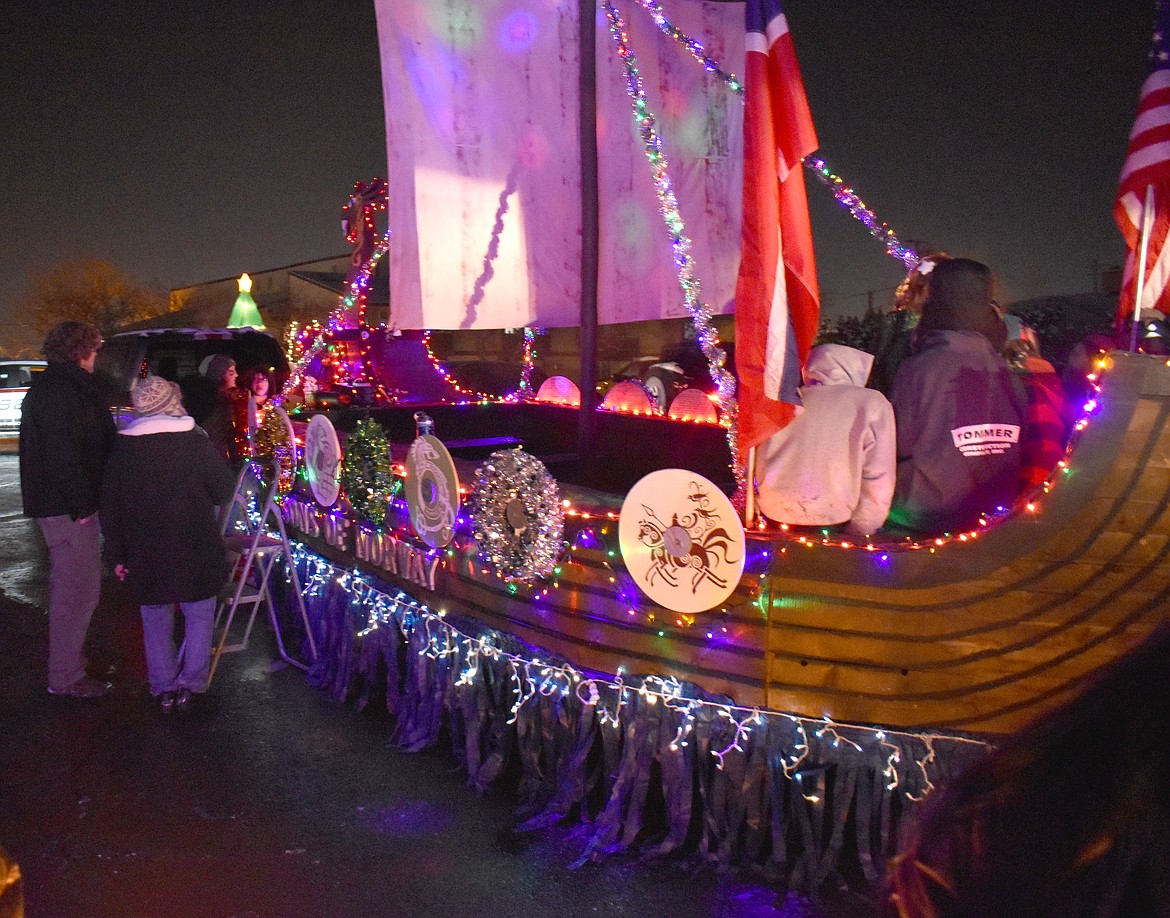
{"points": [[682, 366], [175, 354], [15, 376]]}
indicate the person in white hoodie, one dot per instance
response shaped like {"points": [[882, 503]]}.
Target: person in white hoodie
{"points": [[162, 484], [835, 463]]}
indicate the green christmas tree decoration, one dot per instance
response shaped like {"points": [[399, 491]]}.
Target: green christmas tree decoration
{"points": [[245, 312], [367, 473]]}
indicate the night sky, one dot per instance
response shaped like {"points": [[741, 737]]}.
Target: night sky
{"points": [[189, 142]]}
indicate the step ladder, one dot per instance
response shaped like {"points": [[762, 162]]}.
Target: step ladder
{"points": [[256, 540]]}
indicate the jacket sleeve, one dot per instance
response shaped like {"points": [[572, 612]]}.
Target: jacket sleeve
{"points": [[218, 478], [111, 514], [878, 472]]}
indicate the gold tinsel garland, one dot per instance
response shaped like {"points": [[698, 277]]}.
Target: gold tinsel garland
{"points": [[272, 440]]}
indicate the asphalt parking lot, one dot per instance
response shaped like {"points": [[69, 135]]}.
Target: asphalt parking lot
{"points": [[271, 800]]}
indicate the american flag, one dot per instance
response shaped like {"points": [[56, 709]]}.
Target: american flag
{"points": [[1147, 165], [777, 304]]}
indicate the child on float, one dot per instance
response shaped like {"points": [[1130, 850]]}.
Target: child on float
{"points": [[163, 482], [833, 465], [1048, 420]]}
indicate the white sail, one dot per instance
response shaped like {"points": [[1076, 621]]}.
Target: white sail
{"points": [[484, 170]]}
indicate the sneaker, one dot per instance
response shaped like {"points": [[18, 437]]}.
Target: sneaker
{"points": [[85, 687], [183, 699], [166, 701]]}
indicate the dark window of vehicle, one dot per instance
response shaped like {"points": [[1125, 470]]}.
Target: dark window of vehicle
{"points": [[16, 377]]}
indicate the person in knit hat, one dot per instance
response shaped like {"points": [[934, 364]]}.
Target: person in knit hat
{"points": [[218, 406], [162, 484], [958, 407]]}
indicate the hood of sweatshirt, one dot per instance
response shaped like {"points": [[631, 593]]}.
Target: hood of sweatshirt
{"points": [[837, 365]]}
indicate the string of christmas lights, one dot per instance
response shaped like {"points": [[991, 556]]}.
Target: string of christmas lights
{"points": [[843, 193], [533, 677], [705, 333]]}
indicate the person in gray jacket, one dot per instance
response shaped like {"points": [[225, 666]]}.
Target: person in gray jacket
{"points": [[959, 409], [834, 463], [162, 485]]}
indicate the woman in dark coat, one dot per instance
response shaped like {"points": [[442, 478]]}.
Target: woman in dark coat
{"points": [[162, 485]]}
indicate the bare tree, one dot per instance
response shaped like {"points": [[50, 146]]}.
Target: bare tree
{"points": [[87, 290]]}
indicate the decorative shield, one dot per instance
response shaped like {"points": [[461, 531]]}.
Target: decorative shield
{"points": [[682, 541], [432, 490], [323, 460]]}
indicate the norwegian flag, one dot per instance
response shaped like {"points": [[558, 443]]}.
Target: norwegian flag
{"points": [[777, 301], [1147, 166]]}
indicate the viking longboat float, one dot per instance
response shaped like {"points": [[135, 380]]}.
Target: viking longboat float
{"points": [[570, 589]]}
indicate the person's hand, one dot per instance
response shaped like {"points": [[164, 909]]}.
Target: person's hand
{"points": [[87, 519], [120, 571]]}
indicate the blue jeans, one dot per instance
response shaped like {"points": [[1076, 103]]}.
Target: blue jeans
{"points": [[75, 585], [162, 661]]}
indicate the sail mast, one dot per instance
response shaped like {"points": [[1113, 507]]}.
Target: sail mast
{"points": [[590, 244]]}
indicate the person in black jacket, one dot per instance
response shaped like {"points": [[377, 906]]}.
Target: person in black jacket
{"points": [[958, 407], [162, 484], [66, 432]]}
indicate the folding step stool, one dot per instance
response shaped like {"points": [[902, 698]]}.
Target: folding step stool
{"points": [[254, 546]]}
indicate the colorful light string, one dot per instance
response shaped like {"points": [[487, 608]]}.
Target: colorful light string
{"points": [[843, 193], [533, 677], [705, 333]]}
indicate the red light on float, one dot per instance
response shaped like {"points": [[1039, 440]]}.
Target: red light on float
{"points": [[693, 405], [629, 397], [559, 390]]}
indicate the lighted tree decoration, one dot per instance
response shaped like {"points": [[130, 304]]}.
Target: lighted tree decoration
{"points": [[245, 312], [275, 439], [367, 473]]}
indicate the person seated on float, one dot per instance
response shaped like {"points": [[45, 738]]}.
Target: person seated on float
{"points": [[257, 387], [1083, 361], [834, 463], [1048, 420], [1153, 327], [891, 343], [959, 409]]}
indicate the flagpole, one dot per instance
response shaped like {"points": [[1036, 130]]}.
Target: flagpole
{"points": [[590, 234], [1147, 231], [749, 507]]}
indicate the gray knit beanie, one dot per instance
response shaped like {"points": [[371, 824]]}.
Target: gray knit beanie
{"points": [[155, 395], [215, 367]]}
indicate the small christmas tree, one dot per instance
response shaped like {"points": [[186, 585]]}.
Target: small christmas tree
{"points": [[245, 313]]}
